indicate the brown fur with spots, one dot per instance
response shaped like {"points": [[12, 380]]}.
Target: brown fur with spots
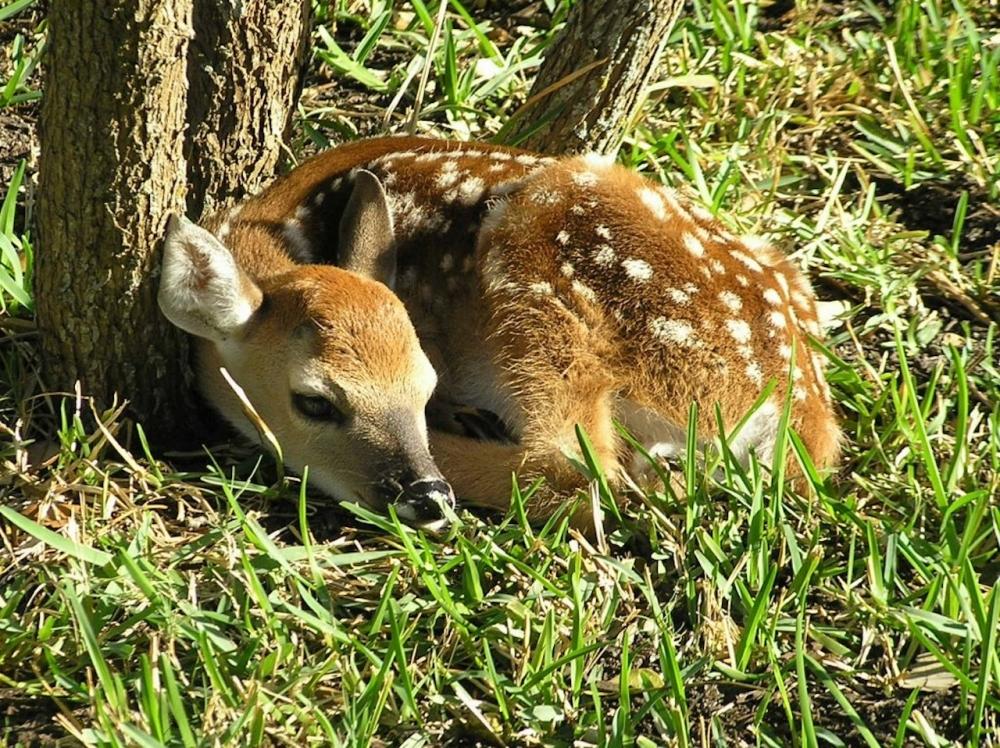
{"points": [[550, 293]]}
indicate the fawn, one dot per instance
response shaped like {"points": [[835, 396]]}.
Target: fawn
{"points": [[550, 293]]}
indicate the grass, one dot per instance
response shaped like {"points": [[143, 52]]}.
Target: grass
{"points": [[204, 599]]}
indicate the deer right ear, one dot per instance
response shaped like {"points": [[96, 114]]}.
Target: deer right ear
{"points": [[202, 289], [367, 238]]}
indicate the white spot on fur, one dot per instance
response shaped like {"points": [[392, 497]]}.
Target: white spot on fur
{"points": [[406, 210], [397, 156], [757, 244], [605, 255], [693, 245], [585, 291], [506, 187], [604, 232], [772, 297], [500, 156], [745, 351], [638, 270], [672, 331], [702, 215], [430, 156], [567, 270], [493, 217], [678, 296], [585, 178], [690, 288], [717, 267], [742, 280], [739, 330], [754, 374], [562, 237], [541, 287], [545, 196], [577, 210], [652, 200], [670, 197], [318, 199], [785, 351], [447, 178], [782, 281], [799, 393], [526, 159], [471, 190], [778, 320], [731, 301], [747, 260]]}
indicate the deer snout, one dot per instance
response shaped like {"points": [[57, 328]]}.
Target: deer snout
{"points": [[421, 501], [425, 500]]}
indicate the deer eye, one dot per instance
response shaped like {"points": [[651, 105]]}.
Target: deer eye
{"points": [[317, 408]]}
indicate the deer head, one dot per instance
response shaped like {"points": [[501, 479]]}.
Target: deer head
{"points": [[327, 356]]}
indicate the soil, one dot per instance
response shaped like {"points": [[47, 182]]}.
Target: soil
{"points": [[30, 720], [18, 123]]}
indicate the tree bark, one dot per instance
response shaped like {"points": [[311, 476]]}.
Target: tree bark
{"points": [[137, 122], [618, 43], [112, 169], [244, 71]]}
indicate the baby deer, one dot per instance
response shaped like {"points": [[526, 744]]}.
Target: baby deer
{"points": [[551, 293]]}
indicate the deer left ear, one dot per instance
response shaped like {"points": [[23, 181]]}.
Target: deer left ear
{"points": [[367, 238], [202, 289]]}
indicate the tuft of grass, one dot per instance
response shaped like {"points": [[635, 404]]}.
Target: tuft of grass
{"points": [[212, 599]]}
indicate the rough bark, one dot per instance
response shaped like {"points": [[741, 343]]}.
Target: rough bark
{"points": [[620, 41], [134, 113], [112, 135], [244, 71]]}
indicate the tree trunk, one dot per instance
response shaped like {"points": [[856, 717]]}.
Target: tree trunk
{"points": [[112, 169], [134, 114], [613, 46], [244, 72]]}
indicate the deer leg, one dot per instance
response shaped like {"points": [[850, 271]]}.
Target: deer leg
{"points": [[560, 382]]}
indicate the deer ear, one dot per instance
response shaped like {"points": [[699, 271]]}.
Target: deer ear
{"points": [[202, 289], [367, 239]]}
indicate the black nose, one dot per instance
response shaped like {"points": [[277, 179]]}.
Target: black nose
{"points": [[425, 500]]}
